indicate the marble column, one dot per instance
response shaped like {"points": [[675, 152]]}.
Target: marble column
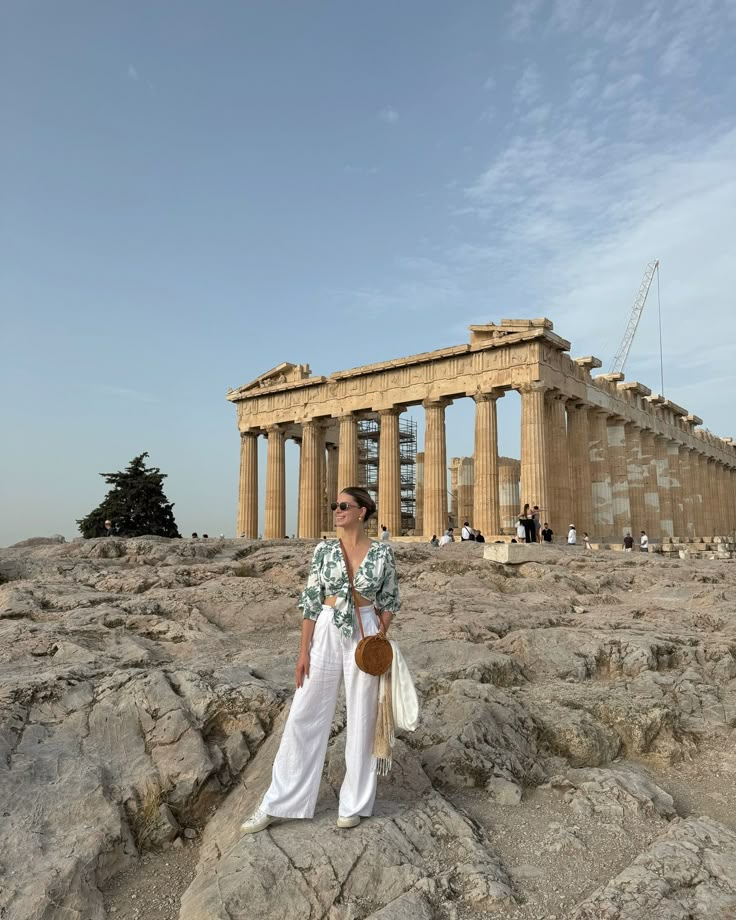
{"points": [[486, 513], [310, 505], [619, 477], [661, 458], [718, 507], [453, 512], [730, 498], [389, 471], [332, 487], [705, 492], [699, 493], [559, 513], [300, 490], [509, 471], [435, 467], [693, 487], [649, 478], [600, 475], [466, 491], [711, 496], [686, 490], [676, 490], [275, 518], [722, 519], [419, 497], [535, 460], [636, 476], [248, 492], [347, 466], [578, 439], [324, 523]]}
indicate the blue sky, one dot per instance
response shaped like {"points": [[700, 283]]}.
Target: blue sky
{"points": [[192, 193]]}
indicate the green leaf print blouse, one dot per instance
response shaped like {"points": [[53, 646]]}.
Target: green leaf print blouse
{"points": [[375, 579]]}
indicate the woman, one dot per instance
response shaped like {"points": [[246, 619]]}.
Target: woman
{"points": [[527, 522], [330, 634]]}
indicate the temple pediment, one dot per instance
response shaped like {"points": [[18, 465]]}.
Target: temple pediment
{"points": [[283, 373]]}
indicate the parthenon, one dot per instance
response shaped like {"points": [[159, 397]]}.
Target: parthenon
{"points": [[599, 451]]}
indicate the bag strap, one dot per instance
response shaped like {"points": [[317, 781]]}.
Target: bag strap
{"points": [[358, 617]]}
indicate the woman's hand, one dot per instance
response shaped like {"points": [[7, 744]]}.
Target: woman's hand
{"points": [[302, 668], [384, 618]]}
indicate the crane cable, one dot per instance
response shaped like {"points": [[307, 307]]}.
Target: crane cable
{"points": [[661, 360]]}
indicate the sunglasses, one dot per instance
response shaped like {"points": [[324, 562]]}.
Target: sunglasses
{"points": [[342, 506]]}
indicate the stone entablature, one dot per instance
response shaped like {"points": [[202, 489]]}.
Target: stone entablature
{"points": [[597, 449]]}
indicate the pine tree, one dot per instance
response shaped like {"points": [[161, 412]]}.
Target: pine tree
{"points": [[136, 504]]}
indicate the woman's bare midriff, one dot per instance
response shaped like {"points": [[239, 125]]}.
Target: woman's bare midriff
{"points": [[362, 601]]}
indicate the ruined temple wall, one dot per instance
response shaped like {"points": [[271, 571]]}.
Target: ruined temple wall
{"points": [[602, 449]]}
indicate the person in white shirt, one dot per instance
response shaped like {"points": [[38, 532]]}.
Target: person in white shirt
{"points": [[385, 535], [467, 533], [447, 537], [520, 531], [644, 543], [572, 535]]}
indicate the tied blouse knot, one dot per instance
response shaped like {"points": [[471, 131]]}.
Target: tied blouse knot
{"points": [[375, 579]]}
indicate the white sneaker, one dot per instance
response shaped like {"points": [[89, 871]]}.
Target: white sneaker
{"points": [[352, 821], [258, 821]]}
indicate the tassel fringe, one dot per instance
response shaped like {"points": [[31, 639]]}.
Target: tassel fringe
{"points": [[384, 738]]}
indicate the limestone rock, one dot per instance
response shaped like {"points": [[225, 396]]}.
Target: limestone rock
{"points": [[611, 793], [688, 874], [148, 678]]}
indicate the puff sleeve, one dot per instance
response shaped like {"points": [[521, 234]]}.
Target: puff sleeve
{"points": [[310, 601], [387, 595]]}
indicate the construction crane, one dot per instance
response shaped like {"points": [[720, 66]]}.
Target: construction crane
{"points": [[622, 354]]}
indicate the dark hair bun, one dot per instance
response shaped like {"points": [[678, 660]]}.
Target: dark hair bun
{"points": [[363, 498]]}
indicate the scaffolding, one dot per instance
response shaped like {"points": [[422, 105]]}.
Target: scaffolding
{"points": [[369, 431]]}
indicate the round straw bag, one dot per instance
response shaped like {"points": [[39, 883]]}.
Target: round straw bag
{"points": [[373, 653]]}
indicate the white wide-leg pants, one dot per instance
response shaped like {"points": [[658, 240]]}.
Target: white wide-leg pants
{"points": [[297, 769]]}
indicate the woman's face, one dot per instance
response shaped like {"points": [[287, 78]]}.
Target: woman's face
{"points": [[352, 513]]}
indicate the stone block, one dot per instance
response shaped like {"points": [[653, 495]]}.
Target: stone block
{"points": [[514, 553]]}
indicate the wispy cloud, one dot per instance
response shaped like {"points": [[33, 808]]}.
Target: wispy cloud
{"points": [[528, 85], [615, 161], [132, 72], [389, 114], [522, 15]]}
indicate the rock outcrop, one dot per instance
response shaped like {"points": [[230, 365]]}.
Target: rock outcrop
{"points": [[144, 684]]}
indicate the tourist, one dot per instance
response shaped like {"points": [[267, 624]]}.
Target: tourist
{"points": [[628, 543], [588, 545], [527, 520], [195, 536], [447, 537], [467, 533], [434, 541], [479, 538], [572, 535], [330, 636], [107, 532], [536, 535], [521, 530], [643, 543], [547, 533], [385, 535]]}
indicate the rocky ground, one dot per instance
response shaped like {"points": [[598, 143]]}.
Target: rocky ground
{"points": [[575, 758]]}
